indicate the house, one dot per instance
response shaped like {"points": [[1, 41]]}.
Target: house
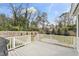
{"points": [[74, 12]]}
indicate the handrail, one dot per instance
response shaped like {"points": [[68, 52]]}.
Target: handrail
{"points": [[18, 41]]}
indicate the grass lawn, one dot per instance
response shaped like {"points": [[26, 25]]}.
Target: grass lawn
{"points": [[64, 39], [60, 38]]}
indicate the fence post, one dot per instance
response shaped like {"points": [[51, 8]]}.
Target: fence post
{"points": [[13, 43]]}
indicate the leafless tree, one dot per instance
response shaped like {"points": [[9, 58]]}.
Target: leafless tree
{"points": [[16, 11]]}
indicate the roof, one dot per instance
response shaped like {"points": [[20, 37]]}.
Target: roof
{"points": [[74, 7]]}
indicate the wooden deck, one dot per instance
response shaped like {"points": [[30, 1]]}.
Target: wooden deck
{"points": [[38, 48]]}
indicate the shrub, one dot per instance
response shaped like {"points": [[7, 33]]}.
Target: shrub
{"points": [[41, 31], [71, 33], [66, 32]]}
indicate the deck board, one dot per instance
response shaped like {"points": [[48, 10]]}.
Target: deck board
{"points": [[42, 49]]}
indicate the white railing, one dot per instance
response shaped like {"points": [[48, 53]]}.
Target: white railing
{"points": [[18, 41]]}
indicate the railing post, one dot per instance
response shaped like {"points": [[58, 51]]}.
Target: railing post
{"points": [[13, 43], [77, 40], [29, 38], [38, 36]]}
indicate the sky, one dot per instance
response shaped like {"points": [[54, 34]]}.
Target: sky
{"points": [[52, 9]]}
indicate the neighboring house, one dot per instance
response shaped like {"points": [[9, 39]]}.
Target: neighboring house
{"points": [[49, 27], [74, 12], [40, 25]]}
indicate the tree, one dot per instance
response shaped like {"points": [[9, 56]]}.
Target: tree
{"points": [[34, 26], [59, 31], [3, 22], [31, 15], [16, 10], [66, 32], [20, 14], [42, 19], [26, 20]]}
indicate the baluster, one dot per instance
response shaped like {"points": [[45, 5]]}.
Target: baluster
{"points": [[10, 43], [37, 36], [13, 42]]}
